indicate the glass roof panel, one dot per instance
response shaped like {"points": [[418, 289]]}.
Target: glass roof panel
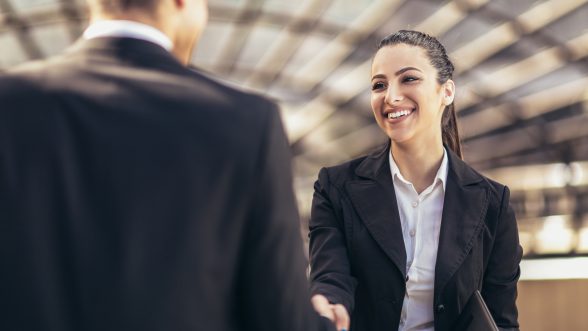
{"points": [[560, 30], [52, 39], [312, 45], [23, 5], [345, 11], [510, 9], [281, 6], [472, 27], [11, 51], [232, 3], [259, 40], [209, 46]]}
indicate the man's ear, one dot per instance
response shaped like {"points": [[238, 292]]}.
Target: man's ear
{"points": [[448, 92], [180, 3]]}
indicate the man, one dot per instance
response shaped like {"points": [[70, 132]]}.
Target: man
{"points": [[136, 194]]}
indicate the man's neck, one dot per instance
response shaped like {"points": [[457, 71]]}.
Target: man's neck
{"points": [[180, 52]]}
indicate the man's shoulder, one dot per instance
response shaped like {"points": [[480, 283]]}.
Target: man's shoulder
{"points": [[33, 75], [22, 79], [231, 93]]}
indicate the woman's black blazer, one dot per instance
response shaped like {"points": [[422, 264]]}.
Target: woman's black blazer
{"points": [[357, 252]]}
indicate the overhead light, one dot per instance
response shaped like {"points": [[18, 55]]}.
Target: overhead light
{"points": [[582, 246], [556, 236], [542, 176], [526, 239], [579, 174], [553, 269]]}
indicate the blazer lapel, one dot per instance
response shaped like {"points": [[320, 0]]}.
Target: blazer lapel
{"points": [[374, 200], [464, 210]]}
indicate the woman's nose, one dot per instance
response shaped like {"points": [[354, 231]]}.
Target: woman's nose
{"points": [[393, 95]]}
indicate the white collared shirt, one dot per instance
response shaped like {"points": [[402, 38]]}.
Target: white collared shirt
{"points": [[128, 29], [420, 217]]}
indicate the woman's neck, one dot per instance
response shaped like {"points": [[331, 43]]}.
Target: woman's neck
{"points": [[418, 162]]}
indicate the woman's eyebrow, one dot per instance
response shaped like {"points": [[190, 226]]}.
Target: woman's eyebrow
{"points": [[378, 76], [405, 69]]}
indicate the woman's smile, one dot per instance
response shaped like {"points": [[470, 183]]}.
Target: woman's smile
{"points": [[398, 114]]}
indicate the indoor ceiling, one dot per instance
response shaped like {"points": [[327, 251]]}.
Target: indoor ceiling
{"points": [[521, 73]]}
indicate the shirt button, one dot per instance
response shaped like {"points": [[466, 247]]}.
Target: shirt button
{"points": [[412, 233], [440, 309], [415, 204]]}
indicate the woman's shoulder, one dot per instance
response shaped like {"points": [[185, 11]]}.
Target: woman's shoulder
{"points": [[496, 188], [367, 164], [342, 172]]}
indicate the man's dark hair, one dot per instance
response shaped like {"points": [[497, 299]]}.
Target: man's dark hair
{"points": [[119, 6]]}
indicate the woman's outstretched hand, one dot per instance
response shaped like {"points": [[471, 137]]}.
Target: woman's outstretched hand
{"points": [[335, 312]]}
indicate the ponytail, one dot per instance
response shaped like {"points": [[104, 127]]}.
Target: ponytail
{"points": [[449, 130]]}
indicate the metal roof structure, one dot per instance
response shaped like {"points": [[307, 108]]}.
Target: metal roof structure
{"points": [[521, 76]]}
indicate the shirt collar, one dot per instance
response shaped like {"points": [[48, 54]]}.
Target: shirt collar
{"points": [[128, 29], [441, 172]]}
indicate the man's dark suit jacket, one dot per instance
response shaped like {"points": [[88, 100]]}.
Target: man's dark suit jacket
{"points": [[358, 257], [136, 194]]}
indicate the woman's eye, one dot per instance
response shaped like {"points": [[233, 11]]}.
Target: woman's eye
{"points": [[377, 86], [409, 79]]}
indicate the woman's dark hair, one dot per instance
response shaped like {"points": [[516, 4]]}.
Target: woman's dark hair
{"points": [[439, 59]]}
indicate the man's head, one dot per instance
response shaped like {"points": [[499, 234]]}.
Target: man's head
{"points": [[181, 20]]}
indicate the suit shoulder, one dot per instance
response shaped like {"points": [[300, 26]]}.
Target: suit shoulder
{"points": [[496, 189], [343, 172], [15, 84], [33, 76], [234, 94], [33, 70]]}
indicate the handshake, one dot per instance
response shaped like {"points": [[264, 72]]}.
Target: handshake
{"points": [[334, 312]]}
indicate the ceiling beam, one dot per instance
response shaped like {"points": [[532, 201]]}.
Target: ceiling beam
{"points": [[242, 28], [286, 45], [308, 117]]}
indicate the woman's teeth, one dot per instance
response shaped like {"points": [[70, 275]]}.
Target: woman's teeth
{"points": [[399, 113]]}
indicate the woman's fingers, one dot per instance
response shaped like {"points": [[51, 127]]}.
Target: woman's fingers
{"points": [[341, 317], [336, 313], [323, 307]]}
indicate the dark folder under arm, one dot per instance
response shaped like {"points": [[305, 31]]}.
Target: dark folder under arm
{"points": [[475, 316]]}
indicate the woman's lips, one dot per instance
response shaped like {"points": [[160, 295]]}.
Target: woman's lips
{"points": [[398, 115]]}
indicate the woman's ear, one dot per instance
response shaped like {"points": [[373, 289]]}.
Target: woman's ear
{"points": [[448, 92]]}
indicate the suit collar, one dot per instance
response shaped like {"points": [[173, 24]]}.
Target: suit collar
{"points": [[127, 52], [376, 163], [465, 205], [374, 199], [130, 29], [464, 210], [441, 174]]}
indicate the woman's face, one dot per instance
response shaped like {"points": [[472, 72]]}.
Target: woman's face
{"points": [[406, 98]]}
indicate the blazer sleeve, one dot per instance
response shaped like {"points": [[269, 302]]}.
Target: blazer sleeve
{"points": [[499, 287], [330, 270], [272, 288]]}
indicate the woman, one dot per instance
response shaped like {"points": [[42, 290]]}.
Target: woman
{"points": [[403, 237]]}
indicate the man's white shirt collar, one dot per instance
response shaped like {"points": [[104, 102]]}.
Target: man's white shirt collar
{"points": [[128, 29], [441, 173]]}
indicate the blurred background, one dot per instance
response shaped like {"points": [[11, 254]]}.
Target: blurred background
{"points": [[522, 101]]}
